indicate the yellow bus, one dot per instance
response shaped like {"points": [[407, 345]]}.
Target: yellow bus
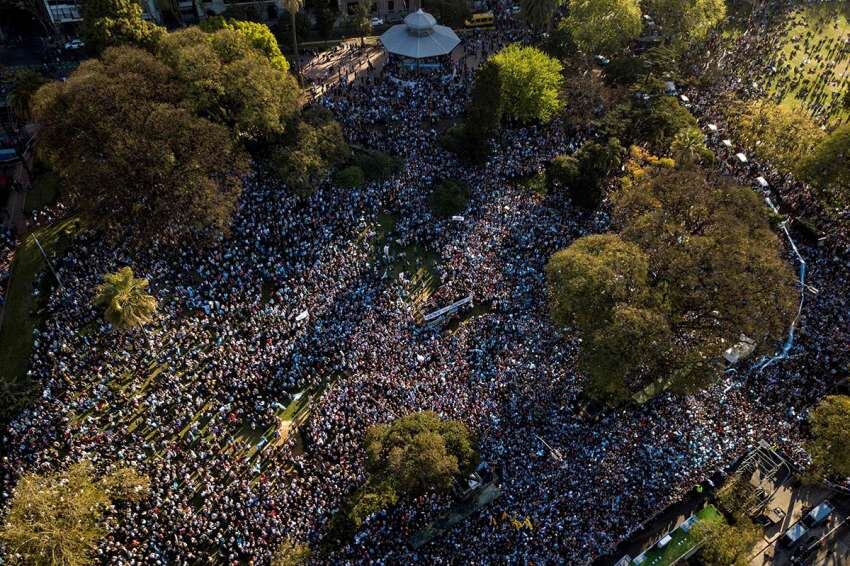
{"points": [[482, 20]]}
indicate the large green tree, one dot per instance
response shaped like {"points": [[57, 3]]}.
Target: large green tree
{"points": [[530, 83], [684, 22], [227, 79], [126, 299], [310, 150], [714, 260], [830, 445], [58, 518], [131, 155], [483, 114], [695, 266], [653, 122], [724, 544], [826, 168], [108, 23], [603, 26], [258, 35], [585, 172], [783, 136], [419, 452]]}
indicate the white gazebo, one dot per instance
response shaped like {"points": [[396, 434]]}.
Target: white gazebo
{"points": [[419, 37]]}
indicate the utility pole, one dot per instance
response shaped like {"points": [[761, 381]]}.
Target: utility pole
{"points": [[47, 259]]}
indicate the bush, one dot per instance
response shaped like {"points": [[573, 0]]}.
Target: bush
{"points": [[309, 151], [454, 139], [536, 183], [376, 165], [350, 177], [449, 197], [563, 171]]}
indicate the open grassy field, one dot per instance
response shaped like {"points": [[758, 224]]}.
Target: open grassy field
{"points": [[811, 58]]}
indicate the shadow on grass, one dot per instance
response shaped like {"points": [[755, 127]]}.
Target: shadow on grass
{"points": [[29, 288]]}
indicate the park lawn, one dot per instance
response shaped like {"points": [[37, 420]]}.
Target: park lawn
{"points": [[22, 310], [829, 24], [44, 191], [417, 263], [681, 541]]}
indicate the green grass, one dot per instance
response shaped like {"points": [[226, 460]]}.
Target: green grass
{"points": [[44, 192], [823, 74], [681, 541], [536, 183], [22, 312]]}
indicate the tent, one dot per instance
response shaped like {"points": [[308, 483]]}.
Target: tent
{"points": [[419, 37]]}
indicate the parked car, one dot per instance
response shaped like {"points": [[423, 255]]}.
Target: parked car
{"points": [[818, 516], [793, 535], [377, 22], [75, 44]]}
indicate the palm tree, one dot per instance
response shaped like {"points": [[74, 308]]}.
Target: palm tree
{"points": [[293, 7], [689, 147], [128, 305], [363, 20], [24, 85]]}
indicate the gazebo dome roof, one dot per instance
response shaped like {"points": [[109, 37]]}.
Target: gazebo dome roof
{"points": [[420, 21], [420, 37]]}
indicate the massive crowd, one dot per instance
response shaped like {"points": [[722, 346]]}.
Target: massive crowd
{"points": [[193, 402]]}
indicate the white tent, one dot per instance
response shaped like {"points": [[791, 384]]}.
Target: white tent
{"points": [[419, 37]]}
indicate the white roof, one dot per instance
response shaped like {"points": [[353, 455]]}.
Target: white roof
{"points": [[741, 157], [419, 37], [763, 182]]}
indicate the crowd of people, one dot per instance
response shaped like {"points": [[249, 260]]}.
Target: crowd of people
{"points": [[298, 300], [809, 66]]}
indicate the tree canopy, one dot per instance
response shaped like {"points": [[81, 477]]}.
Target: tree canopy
{"points": [[108, 23], [127, 302], [24, 85], [830, 445], [57, 518], [826, 169], [653, 122], [695, 265], [530, 83], [539, 14], [688, 147], [684, 22], [129, 152], [603, 27], [781, 135], [585, 172], [258, 35], [419, 452], [309, 150], [724, 544], [233, 76]]}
